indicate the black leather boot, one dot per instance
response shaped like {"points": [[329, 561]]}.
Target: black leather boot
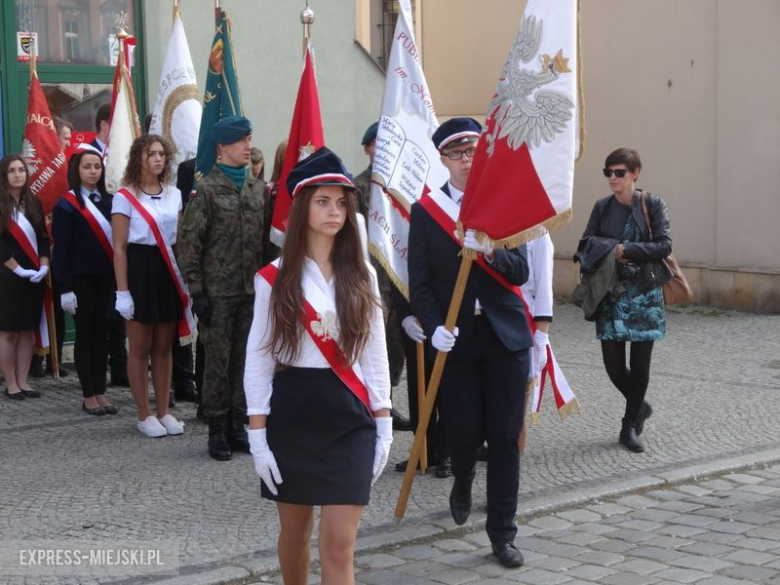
{"points": [[628, 437], [237, 438], [645, 412], [219, 448]]}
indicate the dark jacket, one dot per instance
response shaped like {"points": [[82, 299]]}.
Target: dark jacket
{"points": [[600, 281], [9, 248], [649, 254]]}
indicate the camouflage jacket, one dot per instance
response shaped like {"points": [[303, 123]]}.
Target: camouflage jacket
{"points": [[220, 245], [363, 191]]}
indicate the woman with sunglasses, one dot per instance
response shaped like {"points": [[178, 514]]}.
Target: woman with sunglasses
{"points": [[637, 315]]}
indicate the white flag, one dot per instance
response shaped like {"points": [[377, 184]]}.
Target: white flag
{"points": [[177, 110], [406, 161], [124, 127]]}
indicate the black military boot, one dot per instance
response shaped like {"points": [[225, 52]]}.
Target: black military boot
{"points": [[219, 448], [628, 437], [237, 437]]}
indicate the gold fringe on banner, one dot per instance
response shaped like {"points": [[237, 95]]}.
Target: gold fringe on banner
{"points": [[376, 254], [580, 92], [570, 408], [523, 237]]}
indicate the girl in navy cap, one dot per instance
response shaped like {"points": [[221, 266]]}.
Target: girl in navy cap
{"points": [[317, 379]]}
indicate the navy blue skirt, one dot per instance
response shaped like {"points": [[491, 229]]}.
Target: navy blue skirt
{"points": [[322, 437], [151, 286]]}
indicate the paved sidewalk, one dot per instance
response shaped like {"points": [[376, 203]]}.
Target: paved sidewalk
{"points": [[66, 475]]}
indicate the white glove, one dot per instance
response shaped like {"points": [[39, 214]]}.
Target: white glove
{"points": [[384, 438], [541, 340], [265, 463], [470, 242], [413, 329], [24, 272], [40, 275], [68, 302], [124, 304], [442, 339]]}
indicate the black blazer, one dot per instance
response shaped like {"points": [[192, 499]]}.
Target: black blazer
{"points": [[433, 268], [185, 179]]}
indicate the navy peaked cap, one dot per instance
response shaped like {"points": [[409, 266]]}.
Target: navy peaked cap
{"points": [[323, 167], [231, 129], [456, 131], [370, 133]]}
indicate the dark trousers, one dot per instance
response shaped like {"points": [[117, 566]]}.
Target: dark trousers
{"points": [[200, 365], [484, 398], [117, 349], [183, 376], [95, 296], [59, 324], [632, 381], [437, 430]]}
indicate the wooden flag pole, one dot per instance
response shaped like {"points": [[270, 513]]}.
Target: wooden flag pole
{"points": [[421, 400], [433, 389]]}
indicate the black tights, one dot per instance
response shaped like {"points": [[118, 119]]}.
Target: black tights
{"points": [[632, 381]]}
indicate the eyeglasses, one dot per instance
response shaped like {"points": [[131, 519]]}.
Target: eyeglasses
{"points": [[458, 154], [619, 173]]}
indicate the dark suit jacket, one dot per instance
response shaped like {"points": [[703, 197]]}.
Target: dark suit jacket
{"points": [[433, 268], [96, 145], [185, 179]]}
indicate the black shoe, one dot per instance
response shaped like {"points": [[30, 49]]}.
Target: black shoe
{"points": [[460, 500], [237, 437], [185, 393], [97, 411], [36, 367], [507, 554], [628, 437], [399, 422], [219, 448], [15, 395], [120, 380], [111, 409], [444, 468], [645, 412], [31, 393], [483, 453], [401, 466]]}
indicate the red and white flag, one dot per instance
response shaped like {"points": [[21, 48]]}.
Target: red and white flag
{"points": [[406, 163], [523, 171], [42, 150], [125, 127], [306, 136]]}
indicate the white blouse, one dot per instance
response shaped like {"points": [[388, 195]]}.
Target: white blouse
{"points": [[372, 367], [164, 207], [537, 290]]}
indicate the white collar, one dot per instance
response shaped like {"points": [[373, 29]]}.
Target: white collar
{"points": [[455, 193]]}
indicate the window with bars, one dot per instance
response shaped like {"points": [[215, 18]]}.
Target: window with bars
{"points": [[376, 20]]}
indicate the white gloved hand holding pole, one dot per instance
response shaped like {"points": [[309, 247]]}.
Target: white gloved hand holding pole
{"points": [[24, 272], [384, 438], [470, 241], [413, 329], [68, 302], [265, 462], [124, 304], [443, 340], [541, 340]]}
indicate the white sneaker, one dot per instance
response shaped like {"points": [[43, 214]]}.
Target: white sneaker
{"points": [[173, 426], [151, 427]]}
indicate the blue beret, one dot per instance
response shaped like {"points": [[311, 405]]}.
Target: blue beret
{"points": [[231, 129], [370, 133], [321, 168], [456, 131]]}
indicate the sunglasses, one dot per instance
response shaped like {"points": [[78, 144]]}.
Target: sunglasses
{"points": [[619, 173]]}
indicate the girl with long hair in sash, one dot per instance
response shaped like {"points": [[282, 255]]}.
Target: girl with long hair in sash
{"points": [[23, 244], [317, 378], [144, 219]]}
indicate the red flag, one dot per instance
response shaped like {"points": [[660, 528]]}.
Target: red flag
{"points": [[306, 136], [42, 150]]}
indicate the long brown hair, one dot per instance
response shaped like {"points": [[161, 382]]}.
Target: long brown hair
{"points": [[355, 300], [276, 172], [33, 210], [132, 176]]}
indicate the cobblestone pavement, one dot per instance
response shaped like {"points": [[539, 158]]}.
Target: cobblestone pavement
{"points": [[70, 476]]}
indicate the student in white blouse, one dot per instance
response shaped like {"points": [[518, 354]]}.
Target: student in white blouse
{"points": [[146, 291], [318, 398]]}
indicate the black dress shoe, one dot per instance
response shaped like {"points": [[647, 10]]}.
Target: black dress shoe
{"points": [[31, 393], [218, 445], [444, 468], [36, 367], [401, 466], [185, 393], [399, 422], [460, 500], [97, 411], [507, 554], [120, 380], [645, 412], [15, 395], [111, 409]]}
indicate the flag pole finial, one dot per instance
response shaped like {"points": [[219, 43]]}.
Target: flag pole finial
{"points": [[121, 24], [307, 19]]}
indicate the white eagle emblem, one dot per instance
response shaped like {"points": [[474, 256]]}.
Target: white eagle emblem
{"points": [[325, 326], [30, 156], [305, 151], [518, 118]]}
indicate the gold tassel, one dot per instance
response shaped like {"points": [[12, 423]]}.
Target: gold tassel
{"points": [[570, 408]]}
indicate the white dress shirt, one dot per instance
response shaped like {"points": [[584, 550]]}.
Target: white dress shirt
{"points": [[372, 366], [537, 290], [165, 208], [457, 196]]}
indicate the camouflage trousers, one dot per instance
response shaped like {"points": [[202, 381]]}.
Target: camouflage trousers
{"points": [[224, 344]]}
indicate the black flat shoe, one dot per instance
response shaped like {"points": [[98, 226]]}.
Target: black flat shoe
{"points": [[15, 395], [111, 409], [31, 393], [98, 411], [507, 554]]}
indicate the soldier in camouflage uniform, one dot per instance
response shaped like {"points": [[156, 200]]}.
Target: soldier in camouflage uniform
{"points": [[395, 349], [220, 250]]}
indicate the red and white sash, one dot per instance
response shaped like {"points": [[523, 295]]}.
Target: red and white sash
{"points": [[23, 232], [313, 322], [96, 221], [444, 211], [186, 325]]}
